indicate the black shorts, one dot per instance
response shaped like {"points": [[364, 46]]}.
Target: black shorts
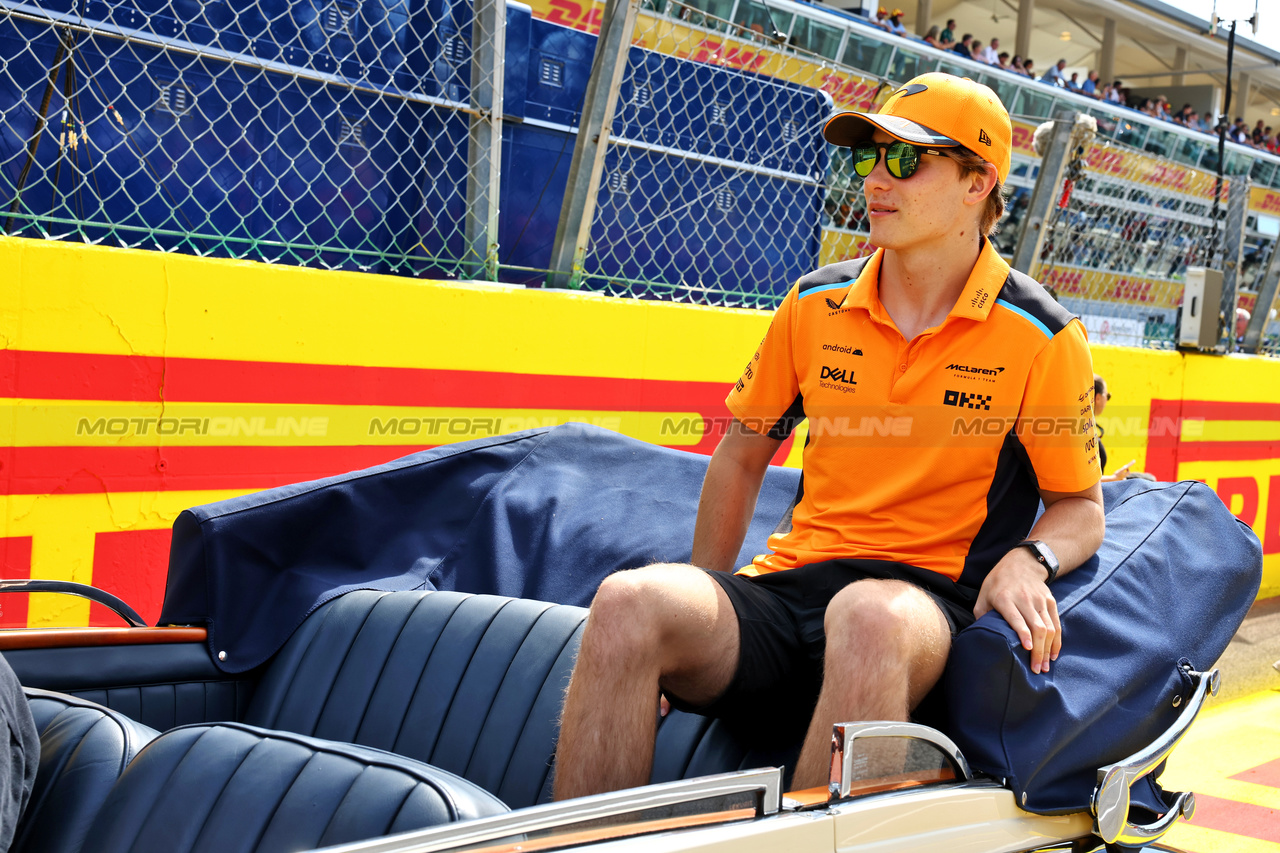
{"points": [[782, 639]]}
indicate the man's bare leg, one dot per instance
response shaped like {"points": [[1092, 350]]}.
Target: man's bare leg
{"points": [[670, 627], [887, 645]]}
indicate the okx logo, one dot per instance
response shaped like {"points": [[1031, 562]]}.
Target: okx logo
{"points": [[967, 401]]}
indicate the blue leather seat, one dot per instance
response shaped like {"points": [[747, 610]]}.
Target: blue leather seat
{"points": [[84, 748], [470, 683], [240, 789]]}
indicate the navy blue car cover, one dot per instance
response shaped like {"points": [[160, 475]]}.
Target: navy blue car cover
{"points": [[543, 514], [548, 513], [1172, 582]]}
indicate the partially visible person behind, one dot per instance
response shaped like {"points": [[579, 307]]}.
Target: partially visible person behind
{"points": [[1074, 83], [1002, 61], [19, 762], [1102, 396], [1090, 85], [963, 48], [933, 37]]}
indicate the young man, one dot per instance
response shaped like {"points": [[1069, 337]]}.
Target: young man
{"points": [[900, 536]]}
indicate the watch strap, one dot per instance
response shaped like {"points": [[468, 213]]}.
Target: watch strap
{"points": [[1044, 556]]}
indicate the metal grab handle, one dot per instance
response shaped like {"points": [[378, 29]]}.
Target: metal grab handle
{"points": [[1110, 802], [124, 611], [843, 736]]}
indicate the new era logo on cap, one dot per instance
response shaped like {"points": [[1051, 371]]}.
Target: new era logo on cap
{"points": [[983, 138]]}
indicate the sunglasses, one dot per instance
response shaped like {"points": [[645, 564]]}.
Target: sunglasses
{"points": [[901, 158]]}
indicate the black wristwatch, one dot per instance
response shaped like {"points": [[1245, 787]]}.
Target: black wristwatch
{"points": [[1044, 556]]}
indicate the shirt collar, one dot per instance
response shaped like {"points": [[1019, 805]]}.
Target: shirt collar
{"points": [[975, 302]]}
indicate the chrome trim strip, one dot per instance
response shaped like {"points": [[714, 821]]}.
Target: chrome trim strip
{"points": [[765, 782]]}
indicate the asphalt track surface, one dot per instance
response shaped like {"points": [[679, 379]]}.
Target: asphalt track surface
{"points": [[1231, 756]]}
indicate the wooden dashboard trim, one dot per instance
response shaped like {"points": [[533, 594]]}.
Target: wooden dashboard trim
{"points": [[61, 638]]}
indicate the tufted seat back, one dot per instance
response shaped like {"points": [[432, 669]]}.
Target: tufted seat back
{"points": [[469, 683], [84, 748], [239, 789]]}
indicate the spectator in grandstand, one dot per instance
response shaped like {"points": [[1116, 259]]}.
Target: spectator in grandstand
{"points": [[962, 46], [1002, 61], [895, 23], [991, 53], [1162, 108], [1017, 66], [1054, 75], [1268, 140], [1074, 83], [1242, 323], [1238, 132], [1090, 85], [933, 38], [882, 19], [1028, 68], [949, 35], [1116, 95], [1255, 136]]}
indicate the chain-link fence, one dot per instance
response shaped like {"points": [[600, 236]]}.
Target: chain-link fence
{"points": [[1121, 228], [322, 132], [713, 184], [1120, 238]]}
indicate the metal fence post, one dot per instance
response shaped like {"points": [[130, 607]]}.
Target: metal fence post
{"points": [[598, 105], [1232, 252], [484, 155], [1046, 193], [1262, 308]]}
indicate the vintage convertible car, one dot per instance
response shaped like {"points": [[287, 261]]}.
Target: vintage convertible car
{"points": [[376, 662]]}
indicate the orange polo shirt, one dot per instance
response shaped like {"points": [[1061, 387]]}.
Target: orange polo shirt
{"points": [[929, 452]]}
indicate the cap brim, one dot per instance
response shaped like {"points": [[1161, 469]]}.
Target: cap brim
{"points": [[848, 129]]}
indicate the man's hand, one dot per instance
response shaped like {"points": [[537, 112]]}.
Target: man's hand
{"points": [[1017, 590]]}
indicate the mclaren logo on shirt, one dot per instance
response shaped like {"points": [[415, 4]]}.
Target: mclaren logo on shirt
{"points": [[984, 371], [971, 372], [966, 400]]}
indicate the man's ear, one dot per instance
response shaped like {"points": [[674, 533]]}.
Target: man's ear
{"points": [[981, 184]]}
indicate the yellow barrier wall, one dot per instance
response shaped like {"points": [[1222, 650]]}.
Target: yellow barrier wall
{"points": [[136, 384]]}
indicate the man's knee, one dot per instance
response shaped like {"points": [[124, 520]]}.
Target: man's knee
{"points": [[633, 609], [872, 617]]}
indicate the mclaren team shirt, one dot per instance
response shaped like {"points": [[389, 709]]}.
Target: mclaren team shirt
{"points": [[929, 452]]}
